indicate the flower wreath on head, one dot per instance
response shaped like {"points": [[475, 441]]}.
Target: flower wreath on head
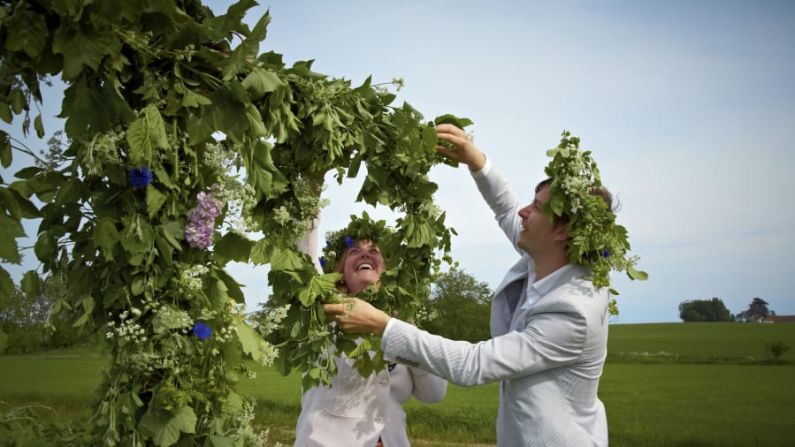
{"points": [[360, 228], [595, 239]]}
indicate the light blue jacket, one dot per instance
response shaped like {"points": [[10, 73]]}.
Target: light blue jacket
{"points": [[549, 356]]}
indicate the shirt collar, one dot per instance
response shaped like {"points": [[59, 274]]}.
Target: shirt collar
{"points": [[557, 278]]}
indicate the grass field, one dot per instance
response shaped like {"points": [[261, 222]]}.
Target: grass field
{"points": [[685, 399]]}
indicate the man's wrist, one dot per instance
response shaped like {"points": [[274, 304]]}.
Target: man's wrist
{"points": [[478, 163], [381, 323]]}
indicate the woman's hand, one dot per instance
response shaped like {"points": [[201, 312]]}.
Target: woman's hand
{"points": [[463, 150], [357, 316]]}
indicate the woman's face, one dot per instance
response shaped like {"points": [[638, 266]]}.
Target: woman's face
{"points": [[363, 266]]}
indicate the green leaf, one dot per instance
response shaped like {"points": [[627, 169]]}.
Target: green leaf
{"points": [[83, 48], [154, 200], [454, 120], [193, 99], [319, 286], [165, 428], [31, 283], [27, 31], [5, 149], [287, 259], [637, 274], [6, 284], [249, 340], [261, 252], [89, 109], [105, 237], [45, 246], [173, 232], [234, 246], [232, 286], [145, 135], [27, 173], [39, 126], [261, 81]]}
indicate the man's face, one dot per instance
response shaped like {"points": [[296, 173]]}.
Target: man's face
{"points": [[538, 232], [363, 266]]}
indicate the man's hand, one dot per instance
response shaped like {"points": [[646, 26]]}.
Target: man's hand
{"points": [[464, 150], [357, 316]]}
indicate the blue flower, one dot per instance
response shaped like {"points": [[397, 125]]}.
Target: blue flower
{"points": [[322, 262], [605, 253], [140, 177], [328, 243], [348, 241], [202, 330]]}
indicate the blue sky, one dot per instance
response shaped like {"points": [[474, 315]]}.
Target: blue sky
{"points": [[689, 108]]}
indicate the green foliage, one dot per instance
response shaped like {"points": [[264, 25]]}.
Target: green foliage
{"points": [[777, 349], [704, 310], [595, 239], [3, 341], [151, 85], [459, 307]]}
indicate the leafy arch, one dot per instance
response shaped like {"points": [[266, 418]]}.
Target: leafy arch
{"points": [[141, 189]]}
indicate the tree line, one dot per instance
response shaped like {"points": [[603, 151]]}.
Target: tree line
{"points": [[714, 310]]}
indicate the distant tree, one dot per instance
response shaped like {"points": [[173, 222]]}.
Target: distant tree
{"points": [[25, 319], [459, 307], [757, 310], [704, 310], [3, 341]]}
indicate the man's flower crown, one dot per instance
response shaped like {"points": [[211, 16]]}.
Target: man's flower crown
{"points": [[595, 239], [360, 228]]}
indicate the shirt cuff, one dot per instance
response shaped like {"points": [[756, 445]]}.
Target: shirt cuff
{"points": [[484, 171], [389, 325]]}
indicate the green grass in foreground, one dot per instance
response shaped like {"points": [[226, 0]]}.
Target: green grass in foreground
{"points": [[669, 404]]}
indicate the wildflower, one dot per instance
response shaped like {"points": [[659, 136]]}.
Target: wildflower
{"points": [[348, 241], [140, 177], [606, 253], [202, 330], [199, 231], [322, 262]]}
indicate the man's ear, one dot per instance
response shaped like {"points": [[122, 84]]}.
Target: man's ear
{"points": [[560, 232]]}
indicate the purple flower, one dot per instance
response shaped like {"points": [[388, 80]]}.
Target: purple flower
{"points": [[202, 330], [322, 261], [348, 241], [605, 253], [201, 221], [140, 177], [198, 235]]}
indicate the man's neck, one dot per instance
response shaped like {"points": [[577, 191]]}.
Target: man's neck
{"points": [[546, 265]]}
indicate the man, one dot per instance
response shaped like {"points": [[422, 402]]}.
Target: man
{"points": [[548, 323]]}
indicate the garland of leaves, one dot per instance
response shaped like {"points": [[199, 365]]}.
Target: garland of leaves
{"points": [[140, 190], [596, 240]]}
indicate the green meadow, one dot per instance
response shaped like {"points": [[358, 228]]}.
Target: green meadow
{"points": [[707, 384]]}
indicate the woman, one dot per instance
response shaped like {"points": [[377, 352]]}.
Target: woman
{"points": [[357, 411]]}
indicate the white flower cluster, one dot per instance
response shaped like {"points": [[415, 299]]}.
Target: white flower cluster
{"points": [[128, 328], [281, 216], [268, 323], [578, 177], [239, 199], [269, 353], [101, 151], [190, 278], [226, 333]]}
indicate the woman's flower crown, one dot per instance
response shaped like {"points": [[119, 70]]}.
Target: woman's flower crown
{"points": [[360, 228], [595, 239]]}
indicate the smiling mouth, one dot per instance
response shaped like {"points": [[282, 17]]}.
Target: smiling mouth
{"points": [[364, 266]]}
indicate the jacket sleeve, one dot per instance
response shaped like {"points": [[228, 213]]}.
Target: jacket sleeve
{"points": [[502, 201], [549, 340], [427, 387]]}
